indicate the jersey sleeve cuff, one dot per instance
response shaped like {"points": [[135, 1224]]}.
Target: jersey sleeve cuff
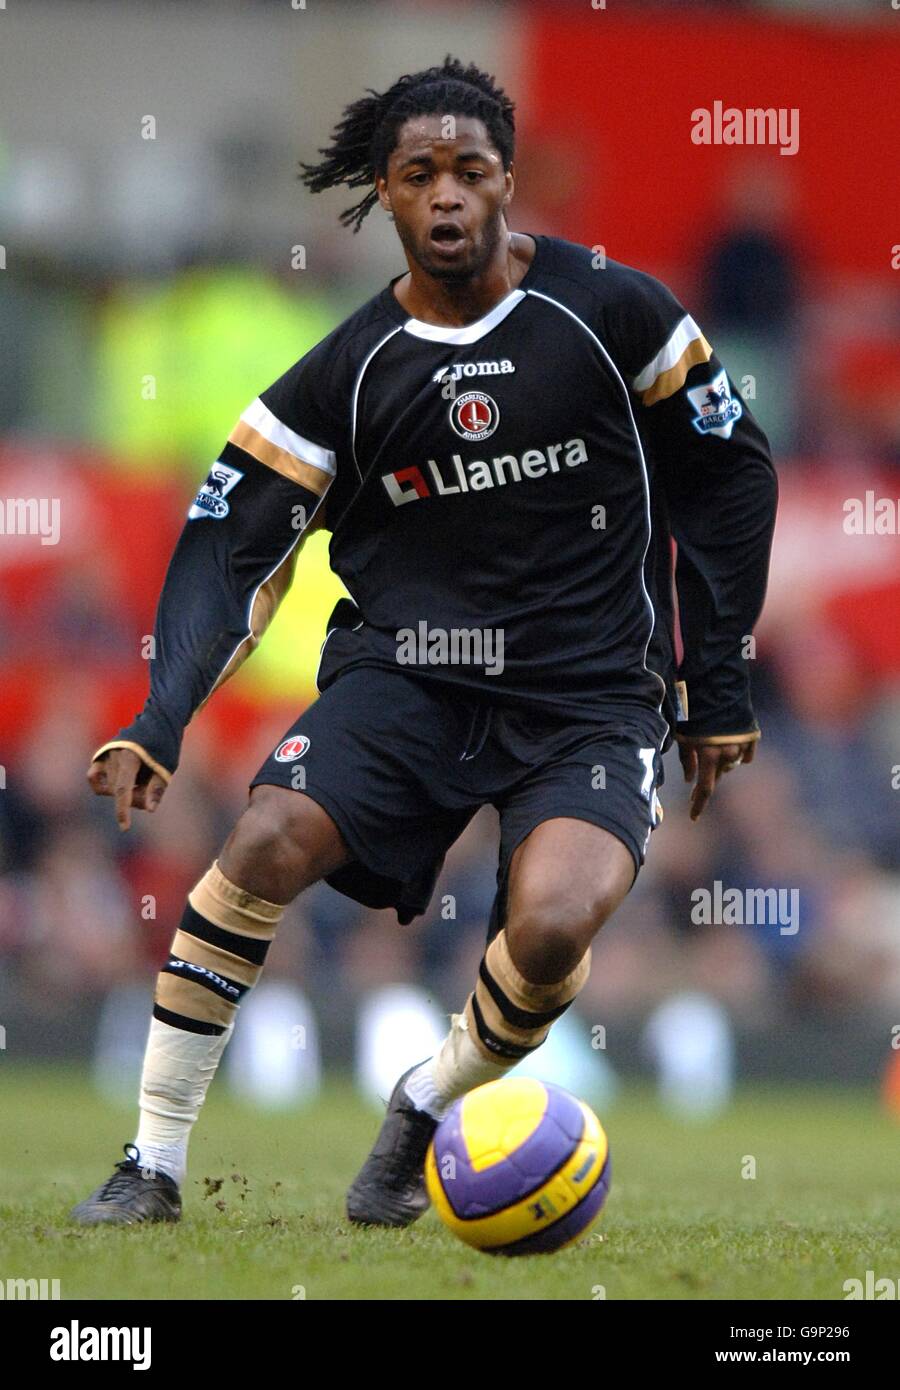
{"points": [[750, 736], [142, 753]]}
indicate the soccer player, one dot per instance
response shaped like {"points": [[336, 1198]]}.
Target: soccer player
{"points": [[503, 444]]}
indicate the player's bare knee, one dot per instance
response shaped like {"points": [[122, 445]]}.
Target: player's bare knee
{"points": [[548, 937], [283, 843], [604, 896], [550, 927], [593, 898]]}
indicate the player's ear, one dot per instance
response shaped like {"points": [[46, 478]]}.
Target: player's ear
{"points": [[510, 177], [381, 189]]}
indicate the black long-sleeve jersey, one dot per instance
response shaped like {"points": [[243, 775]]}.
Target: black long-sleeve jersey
{"points": [[502, 499]]}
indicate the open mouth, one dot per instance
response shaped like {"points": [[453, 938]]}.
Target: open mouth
{"points": [[447, 237]]}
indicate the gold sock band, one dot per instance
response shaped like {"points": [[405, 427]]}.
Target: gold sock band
{"points": [[208, 972], [521, 992], [184, 996], [215, 958], [509, 1016], [221, 902]]}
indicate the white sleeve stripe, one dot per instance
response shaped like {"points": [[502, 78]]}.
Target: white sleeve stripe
{"points": [[684, 333], [260, 418]]}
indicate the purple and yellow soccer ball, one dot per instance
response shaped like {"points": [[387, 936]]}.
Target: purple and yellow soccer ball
{"points": [[518, 1167]]}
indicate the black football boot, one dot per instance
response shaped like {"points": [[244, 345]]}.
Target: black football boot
{"points": [[389, 1189], [133, 1194]]}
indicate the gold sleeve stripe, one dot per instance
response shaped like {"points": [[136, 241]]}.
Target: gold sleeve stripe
{"points": [[142, 754], [665, 373], [308, 475], [667, 383], [270, 427], [260, 418]]}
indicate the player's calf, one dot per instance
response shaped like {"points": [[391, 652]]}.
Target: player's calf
{"points": [[565, 880], [217, 956]]}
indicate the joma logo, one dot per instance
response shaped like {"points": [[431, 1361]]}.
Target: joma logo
{"points": [[460, 369]]}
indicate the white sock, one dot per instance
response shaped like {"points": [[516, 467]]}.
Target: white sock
{"points": [[178, 1067], [170, 1159], [457, 1067]]}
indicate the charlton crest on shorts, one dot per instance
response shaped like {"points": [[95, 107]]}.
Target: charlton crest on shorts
{"points": [[291, 749], [474, 415]]}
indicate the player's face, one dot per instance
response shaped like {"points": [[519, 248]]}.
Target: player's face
{"points": [[447, 188]]}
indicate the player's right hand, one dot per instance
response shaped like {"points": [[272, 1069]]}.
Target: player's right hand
{"points": [[120, 773], [705, 763]]}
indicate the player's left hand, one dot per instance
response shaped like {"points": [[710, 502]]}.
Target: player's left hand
{"points": [[704, 763]]}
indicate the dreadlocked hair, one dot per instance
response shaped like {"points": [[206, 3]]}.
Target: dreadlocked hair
{"points": [[362, 141]]}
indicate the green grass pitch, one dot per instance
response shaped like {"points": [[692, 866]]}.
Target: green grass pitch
{"points": [[264, 1205]]}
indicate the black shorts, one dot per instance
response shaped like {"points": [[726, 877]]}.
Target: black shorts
{"points": [[402, 764]]}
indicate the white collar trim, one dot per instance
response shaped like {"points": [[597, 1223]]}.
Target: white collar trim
{"points": [[470, 332]]}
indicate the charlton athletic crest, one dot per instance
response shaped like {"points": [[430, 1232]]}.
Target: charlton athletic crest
{"points": [[474, 415], [292, 749]]}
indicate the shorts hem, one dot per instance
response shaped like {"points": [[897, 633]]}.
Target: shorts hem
{"points": [[602, 822], [359, 879]]}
